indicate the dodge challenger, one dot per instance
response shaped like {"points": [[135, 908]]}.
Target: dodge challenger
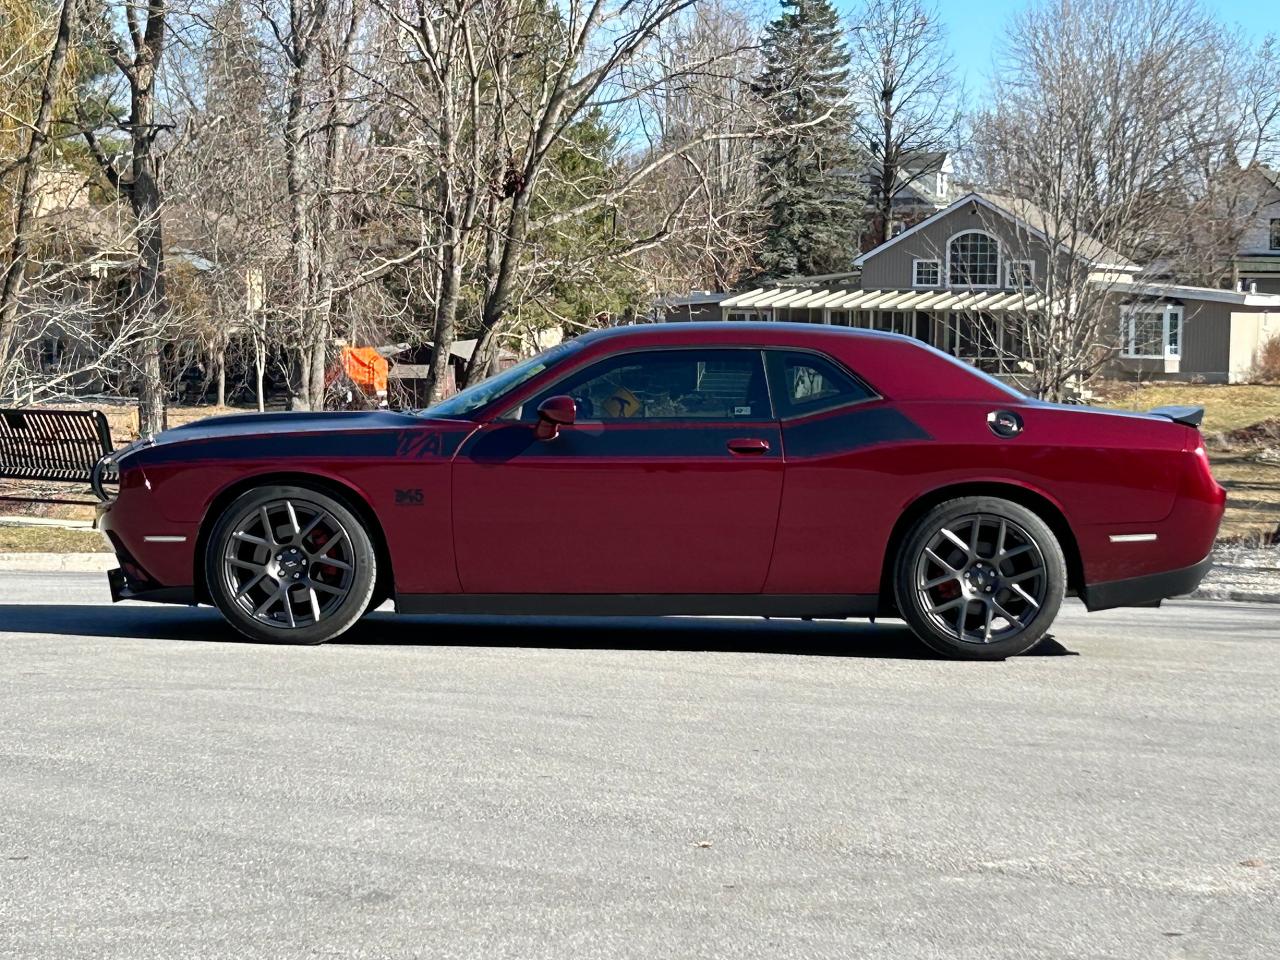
{"points": [[760, 469]]}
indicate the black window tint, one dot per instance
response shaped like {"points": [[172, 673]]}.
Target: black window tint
{"points": [[666, 385], [807, 383]]}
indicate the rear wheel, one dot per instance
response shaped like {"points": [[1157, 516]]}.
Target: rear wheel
{"points": [[980, 578], [287, 564]]}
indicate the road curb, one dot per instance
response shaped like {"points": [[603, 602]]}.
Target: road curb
{"points": [[56, 562]]}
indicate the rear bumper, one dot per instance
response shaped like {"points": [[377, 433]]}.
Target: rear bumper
{"points": [[1145, 591], [123, 587]]}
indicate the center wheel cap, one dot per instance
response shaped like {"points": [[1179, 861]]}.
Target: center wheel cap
{"points": [[289, 560], [982, 578]]}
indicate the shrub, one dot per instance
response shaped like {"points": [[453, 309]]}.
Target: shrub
{"points": [[1266, 362]]}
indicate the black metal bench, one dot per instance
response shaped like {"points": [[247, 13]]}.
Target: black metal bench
{"points": [[56, 446]]}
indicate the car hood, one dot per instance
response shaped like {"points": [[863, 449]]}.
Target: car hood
{"points": [[256, 424], [285, 436]]}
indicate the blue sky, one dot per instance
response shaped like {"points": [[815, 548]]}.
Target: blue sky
{"points": [[977, 28]]}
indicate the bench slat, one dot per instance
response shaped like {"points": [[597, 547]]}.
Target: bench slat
{"points": [[55, 445]]}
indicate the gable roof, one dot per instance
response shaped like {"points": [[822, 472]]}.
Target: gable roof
{"points": [[1023, 214]]}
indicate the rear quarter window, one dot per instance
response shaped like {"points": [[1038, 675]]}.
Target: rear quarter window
{"points": [[805, 383]]}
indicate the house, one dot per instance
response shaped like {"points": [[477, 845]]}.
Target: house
{"points": [[924, 185], [696, 305], [410, 373], [1256, 264], [968, 276]]}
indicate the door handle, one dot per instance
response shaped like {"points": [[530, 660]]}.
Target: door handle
{"points": [[748, 445]]}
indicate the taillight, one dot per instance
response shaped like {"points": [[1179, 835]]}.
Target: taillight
{"points": [[1202, 458]]}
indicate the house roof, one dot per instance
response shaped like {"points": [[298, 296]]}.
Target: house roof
{"points": [[1024, 214], [1177, 291], [989, 301], [912, 179], [691, 299], [924, 159]]}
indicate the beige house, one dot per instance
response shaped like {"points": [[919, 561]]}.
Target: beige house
{"points": [[967, 277], [1256, 264]]}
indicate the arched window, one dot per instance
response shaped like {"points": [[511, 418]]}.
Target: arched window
{"points": [[973, 260]]}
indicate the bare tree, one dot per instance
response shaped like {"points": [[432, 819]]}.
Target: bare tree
{"points": [[28, 173], [583, 59], [138, 56], [316, 40], [907, 94], [224, 181], [704, 213], [448, 73], [1105, 109]]}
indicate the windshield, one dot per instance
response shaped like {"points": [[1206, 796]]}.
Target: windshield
{"points": [[481, 394]]}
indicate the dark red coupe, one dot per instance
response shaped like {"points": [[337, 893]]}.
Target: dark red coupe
{"points": [[782, 470]]}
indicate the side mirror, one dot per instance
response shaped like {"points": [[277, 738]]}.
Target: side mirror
{"points": [[554, 413]]}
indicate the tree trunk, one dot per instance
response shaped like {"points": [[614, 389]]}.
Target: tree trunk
{"points": [[499, 295], [147, 299], [317, 357], [259, 372], [221, 361], [299, 236], [11, 289], [151, 412]]}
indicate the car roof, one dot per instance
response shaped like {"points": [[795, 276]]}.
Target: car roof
{"points": [[746, 329], [895, 365]]}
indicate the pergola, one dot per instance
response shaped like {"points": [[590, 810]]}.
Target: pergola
{"points": [[792, 298], [944, 318]]}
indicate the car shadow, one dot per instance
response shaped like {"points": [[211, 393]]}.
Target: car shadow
{"points": [[885, 640]]}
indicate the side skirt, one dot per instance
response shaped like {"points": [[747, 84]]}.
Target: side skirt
{"points": [[819, 605]]}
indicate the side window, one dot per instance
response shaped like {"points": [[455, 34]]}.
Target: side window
{"points": [[808, 383], [666, 385]]}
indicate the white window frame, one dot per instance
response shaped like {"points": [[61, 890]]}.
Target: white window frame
{"points": [[1009, 268], [915, 269], [1171, 318], [999, 261]]}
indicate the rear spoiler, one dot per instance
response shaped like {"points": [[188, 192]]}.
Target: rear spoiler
{"points": [[1191, 416]]}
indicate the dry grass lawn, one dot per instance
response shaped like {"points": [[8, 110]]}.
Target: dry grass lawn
{"points": [[1226, 406], [1253, 494], [45, 539]]}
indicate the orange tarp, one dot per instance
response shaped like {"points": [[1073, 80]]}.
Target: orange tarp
{"points": [[365, 368]]}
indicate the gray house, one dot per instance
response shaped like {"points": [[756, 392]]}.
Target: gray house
{"points": [[965, 278]]}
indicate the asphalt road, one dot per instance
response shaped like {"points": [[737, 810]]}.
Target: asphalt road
{"points": [[573, 790]]}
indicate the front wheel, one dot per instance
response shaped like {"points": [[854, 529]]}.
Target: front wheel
{"points": [[979, 578], [286, 564]]}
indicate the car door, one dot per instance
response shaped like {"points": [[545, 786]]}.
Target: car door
{"points": [[669, 481]]}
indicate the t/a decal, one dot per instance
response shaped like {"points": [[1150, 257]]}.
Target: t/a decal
{"points": [[419, 444]]}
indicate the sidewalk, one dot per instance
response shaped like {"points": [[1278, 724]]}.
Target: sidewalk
{"points": [[46, 522], [57, 562]]}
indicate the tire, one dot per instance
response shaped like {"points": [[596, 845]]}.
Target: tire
{"points": [[287, 564], [983, 595]]}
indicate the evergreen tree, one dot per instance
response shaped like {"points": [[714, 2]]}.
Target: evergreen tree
{"points": [[808, 171]]}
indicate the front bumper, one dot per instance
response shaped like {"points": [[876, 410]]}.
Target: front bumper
{"points": [[1145, 591]]}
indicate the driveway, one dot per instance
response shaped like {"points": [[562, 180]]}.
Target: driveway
{"points": [[577, 789]]}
